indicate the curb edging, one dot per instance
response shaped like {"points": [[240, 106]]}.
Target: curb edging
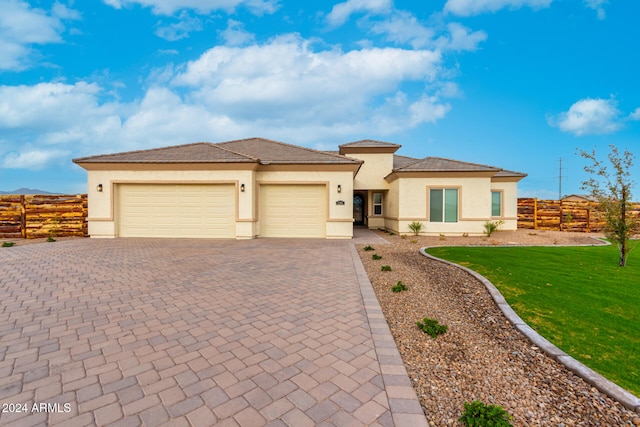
{"points": [[591, 377]]}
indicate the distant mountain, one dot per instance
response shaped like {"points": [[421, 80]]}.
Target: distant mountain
{"points": [[26, 191]]}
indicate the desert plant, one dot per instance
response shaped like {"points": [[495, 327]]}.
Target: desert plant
{"points": [[431, 327], [442, 236], [414, 241], [416, 227], [385, 268], [368, 248], [55, 226], [7, 244], [376, 257], [477, 414], [399, 287], [491, 227]]}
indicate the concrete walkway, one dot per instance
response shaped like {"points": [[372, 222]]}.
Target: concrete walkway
{"points": [[132, 332]]}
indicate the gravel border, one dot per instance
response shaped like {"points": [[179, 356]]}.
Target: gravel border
{"points": [[483, 356], [603, 384]]}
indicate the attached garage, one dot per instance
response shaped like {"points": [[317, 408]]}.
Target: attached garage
{"points": [[293, 210], [176, 210]]}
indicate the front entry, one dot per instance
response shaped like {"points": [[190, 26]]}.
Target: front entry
{"points": [[358, 209]]}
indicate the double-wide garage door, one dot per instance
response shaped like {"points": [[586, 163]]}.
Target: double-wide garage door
{"points": [[181, 210], [293, 210]]}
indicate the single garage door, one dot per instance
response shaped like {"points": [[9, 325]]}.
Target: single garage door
{"points": [[293, 210], [183, 210]]}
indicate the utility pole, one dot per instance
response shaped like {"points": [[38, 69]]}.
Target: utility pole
{"points": [[560, 181]]}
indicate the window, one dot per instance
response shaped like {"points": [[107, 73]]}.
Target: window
{"points": [[496, 203], [377, 203], [443, 205]]}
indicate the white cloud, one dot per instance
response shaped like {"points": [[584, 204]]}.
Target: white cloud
{"points": [[476, 7], [597, 6], [180, 29], [236, 35], [635, 115], [285, 80], [22, 26], [284, 89], [403, 27], [460, 38], [589, 117], [169, 7], [341, 12], [32, 159]]}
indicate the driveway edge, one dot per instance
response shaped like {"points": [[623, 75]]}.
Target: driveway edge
{"points": [[404, 404], [593, 378]]}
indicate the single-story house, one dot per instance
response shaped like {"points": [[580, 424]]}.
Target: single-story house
{"points": [[262, 188]]}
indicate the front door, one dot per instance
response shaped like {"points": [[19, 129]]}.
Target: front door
{"points": [[358, 209]]}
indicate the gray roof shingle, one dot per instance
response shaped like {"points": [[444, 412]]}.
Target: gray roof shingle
{"points": [[250, 150], [198, 152]]}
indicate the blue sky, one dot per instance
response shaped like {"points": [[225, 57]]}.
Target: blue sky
{"points": [[517, 84]]}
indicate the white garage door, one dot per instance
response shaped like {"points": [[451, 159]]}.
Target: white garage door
{"points": [[293, 210], [184, 210]]}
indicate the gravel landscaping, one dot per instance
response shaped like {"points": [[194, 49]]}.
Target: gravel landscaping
{"points": [[481, 356]]}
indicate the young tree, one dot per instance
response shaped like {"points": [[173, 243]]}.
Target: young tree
{"points": [[612, 189]]}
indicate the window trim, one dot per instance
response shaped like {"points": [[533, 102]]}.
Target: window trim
{"points": [[374, 204], [444, 212], [501, 193]]}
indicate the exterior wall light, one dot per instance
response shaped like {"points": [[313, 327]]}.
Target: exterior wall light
{"points": [[242, 188], [339, 188], [99, 188]]}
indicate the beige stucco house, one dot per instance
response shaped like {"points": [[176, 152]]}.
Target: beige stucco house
{"points": [[261, 188]]}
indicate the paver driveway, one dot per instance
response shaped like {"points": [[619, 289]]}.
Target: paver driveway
{"points": [[195, 332]]}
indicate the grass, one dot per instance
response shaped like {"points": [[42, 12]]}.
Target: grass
{"points": [[576, 297]]}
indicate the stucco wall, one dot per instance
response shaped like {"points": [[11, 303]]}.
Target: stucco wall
{"points": [[474, 204], [371, 174], [102, 216]]}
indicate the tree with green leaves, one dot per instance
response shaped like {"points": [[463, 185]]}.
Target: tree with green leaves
{"points": [[611, 186]]}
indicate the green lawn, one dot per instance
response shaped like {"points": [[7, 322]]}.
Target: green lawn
{"points": [[576, 297]]}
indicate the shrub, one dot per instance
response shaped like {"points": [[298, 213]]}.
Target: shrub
{"points": [[376, 256], [7, 244], [416, 227], [399, 287], [432, 327], [385, 268], [477, 414], [368, 248], [491, 227]]}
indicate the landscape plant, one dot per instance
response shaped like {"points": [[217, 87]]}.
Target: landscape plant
{"points": [[399, 287], [376, 257], [431, 327], [7, 244], [385, 268], [491, 227], [415, 227], [478, 414], [368, 248], [612, 189]]}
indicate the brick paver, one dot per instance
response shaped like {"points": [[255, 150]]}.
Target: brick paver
{"points": [[196, 332]]}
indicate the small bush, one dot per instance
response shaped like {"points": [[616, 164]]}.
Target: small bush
{"points": [[399, 287], [414, 241], [477, 414], [385, 268], [50, 239], [492, 227], [432, 327], [368, 248], [376, 256], [416, 227], [443, 237], [7, 244]]}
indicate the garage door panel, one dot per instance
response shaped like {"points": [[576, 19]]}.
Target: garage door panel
{"points": [[293, 210], [180, 210]]}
